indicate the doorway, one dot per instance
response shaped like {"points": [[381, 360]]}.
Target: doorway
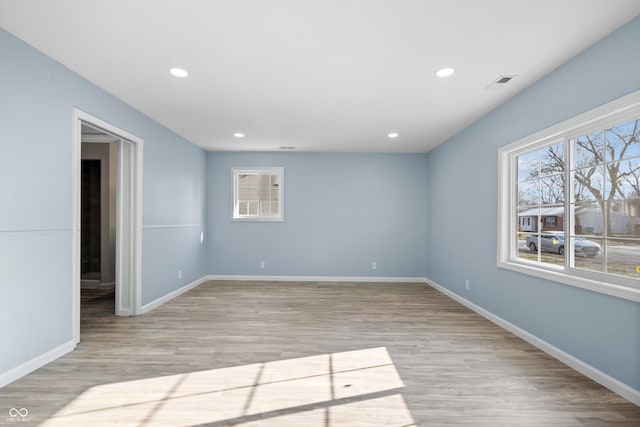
{"points": [[98, 209], [98, 173], [121, 229]]}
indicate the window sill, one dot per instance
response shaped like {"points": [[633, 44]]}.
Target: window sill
{"points": [[255, 219], [611, 289]]}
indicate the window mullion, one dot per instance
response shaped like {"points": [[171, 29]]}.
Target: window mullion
{"points": [[259, 211], [539, 224], [606, 177], [513, 202], [569, 204], [236, 201]]}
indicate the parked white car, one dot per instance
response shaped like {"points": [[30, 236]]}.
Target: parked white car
{"points": [[553, 241]]}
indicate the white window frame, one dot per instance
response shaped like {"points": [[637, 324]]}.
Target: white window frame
{"points": [[612, 113], [235, 214]]}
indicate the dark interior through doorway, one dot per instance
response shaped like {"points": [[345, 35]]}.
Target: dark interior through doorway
{"points": [[97, 223], [90, 220]]}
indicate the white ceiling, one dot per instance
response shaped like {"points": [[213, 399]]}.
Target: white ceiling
{"points": [[320, 75]]}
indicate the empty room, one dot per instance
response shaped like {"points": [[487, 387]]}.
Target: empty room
{"points": [[320, 213]]}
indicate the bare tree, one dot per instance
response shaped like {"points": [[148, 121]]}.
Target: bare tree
{"points": [[552, 171], [621, 174], [590, 177]]}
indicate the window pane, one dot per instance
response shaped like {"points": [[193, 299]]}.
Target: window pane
{"points": [[529, 193], [253, 207], [528, 165], [623, 141], [541, 205], [528, 218], [275, 208], [552, 246], [247, 194], [242, 208], [623, 218], [588, 253], [552, 160], [589, 219], [265, 207], [586, 247], [589, 184], [623, 257], [265, 181], [589, 149], [251, 180], [525, 249], [552, 190], [247, 181], [547, 247], [552, 218], [624, 180]]}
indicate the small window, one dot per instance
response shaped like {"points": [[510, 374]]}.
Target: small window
{"points": [[258, 194], [550, 221]]}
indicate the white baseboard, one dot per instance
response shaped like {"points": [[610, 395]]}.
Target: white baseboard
{"points": [[153, 304], [35, 363], [585, 369], [317, 279]]}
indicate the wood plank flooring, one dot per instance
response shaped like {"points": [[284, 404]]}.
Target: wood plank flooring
{"points": [[305, 354]]}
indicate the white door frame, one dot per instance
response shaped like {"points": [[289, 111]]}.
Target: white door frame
{"points": [[128, 218]]}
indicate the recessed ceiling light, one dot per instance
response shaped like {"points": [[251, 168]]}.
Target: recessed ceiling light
{"points": [[393, 135], [239, 135], [445, 72], [179, 72]]}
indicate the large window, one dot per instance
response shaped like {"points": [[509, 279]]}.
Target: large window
{"points": [[258, 194], [569, 206]]}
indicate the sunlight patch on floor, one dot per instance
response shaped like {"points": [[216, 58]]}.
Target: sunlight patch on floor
{"points": [[383, 411], [302, 391]]}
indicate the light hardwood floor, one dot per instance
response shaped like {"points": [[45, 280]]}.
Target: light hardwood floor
{"points": [[306, 354]]}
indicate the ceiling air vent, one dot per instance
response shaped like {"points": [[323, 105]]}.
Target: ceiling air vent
{"points": [[287, 148], [500, 82]]}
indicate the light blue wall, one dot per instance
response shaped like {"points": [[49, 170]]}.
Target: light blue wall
{"points": [[174, 214], [37, 96], [342, 212], [600, 330]]}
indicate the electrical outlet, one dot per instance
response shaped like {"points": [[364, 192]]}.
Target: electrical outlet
{"points": [[179, 274], [262, 264], [374, 265], [466, 284]]}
